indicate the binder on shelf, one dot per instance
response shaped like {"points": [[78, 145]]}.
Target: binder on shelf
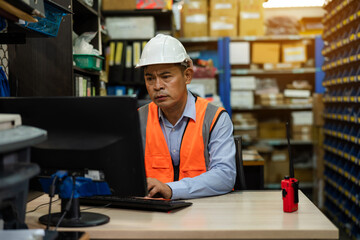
{"points": [[116, 62], [136, 59], [76, 85], [128, 63], [112, 54]]}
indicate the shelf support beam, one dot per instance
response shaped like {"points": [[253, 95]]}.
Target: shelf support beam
{"points": [[224, 72]]}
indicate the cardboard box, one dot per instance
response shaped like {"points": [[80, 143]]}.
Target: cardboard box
{"points": [[224, 8], [251, 18], [302, 129], [277, 167], [281, 66], [210, 87], [272, 130], [243, 116], [273, 99], [114, 5], [299, 101], [302, 118], [294, 53], [265, 52], [243, 83], [302, 136], [223, 27], [304, 175], [249, 135], [242, 99], [194, 17]]}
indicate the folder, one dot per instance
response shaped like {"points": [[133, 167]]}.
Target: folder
{"points": [[128, 63], [136, 59]]}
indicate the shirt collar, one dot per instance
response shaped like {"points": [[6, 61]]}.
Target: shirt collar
{"points": [[189, 111]]}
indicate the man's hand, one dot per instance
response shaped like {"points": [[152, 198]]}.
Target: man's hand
{"points": [[155, 188]]}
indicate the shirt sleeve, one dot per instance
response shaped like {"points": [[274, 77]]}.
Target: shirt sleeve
{"points": [[220, 178]]}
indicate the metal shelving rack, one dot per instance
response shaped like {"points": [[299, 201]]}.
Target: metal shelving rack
{"points": [[342, 113]]}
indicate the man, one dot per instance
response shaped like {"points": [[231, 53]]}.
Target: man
{"points": [[188, 142]]}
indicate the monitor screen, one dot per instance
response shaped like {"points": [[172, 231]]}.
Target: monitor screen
{"points": [[99, 136]]}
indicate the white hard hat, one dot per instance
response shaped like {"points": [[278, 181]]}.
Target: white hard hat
{"points": [[163, 49]]}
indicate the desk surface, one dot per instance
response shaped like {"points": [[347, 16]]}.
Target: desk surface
{"points": [[237, 215]]}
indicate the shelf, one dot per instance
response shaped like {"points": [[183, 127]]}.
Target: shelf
{"points": [[278, 142], [264, 72], [83, 9], [86, 72], [278, 107], [198, 39], [274, 38], [251, 38], [140, 12]]}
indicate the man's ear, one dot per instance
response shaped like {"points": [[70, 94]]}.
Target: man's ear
{"points": [[188, 75]]}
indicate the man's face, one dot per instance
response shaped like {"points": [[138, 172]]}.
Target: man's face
{"points": [[166, 85]]}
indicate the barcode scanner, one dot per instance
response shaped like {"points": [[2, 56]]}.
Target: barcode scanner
{"points": [[290, 185]]}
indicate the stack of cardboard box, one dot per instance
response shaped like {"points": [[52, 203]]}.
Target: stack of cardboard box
{"points": [[270, 99], [194, 18], [302, 125], [242, 91], [251, 18], [274, 129], [245, 125], [223, 18], [298, 94]]}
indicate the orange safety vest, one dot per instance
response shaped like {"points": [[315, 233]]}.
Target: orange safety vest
{"points": [[194, 156]]}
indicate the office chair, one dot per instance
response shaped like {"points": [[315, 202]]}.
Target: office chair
{"points": [[240, 176]]}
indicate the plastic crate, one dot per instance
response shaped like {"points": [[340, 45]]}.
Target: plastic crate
{"points": [[88, 61], [50, 24]]}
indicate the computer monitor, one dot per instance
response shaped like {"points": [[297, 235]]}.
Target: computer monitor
{"points": [[87, 133]]}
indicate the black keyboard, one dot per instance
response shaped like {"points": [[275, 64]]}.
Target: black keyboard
{"points": [[162, 205]]}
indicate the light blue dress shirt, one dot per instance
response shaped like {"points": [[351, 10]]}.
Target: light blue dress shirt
{"points": [[220, 177]]}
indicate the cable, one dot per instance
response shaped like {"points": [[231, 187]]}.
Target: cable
{"points": [[42, 205], [51, 194], [68, 204]]}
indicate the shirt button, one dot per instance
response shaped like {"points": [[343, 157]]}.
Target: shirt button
{"points": [[174, 151], [172, 129]]}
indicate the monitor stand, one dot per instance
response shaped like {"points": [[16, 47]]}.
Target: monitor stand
{"points": [[73, 218]]}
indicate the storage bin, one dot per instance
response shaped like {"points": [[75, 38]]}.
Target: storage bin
{"points": [[51, 23], [88, 61]]}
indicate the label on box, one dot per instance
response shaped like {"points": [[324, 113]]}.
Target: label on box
{"points": [[221, 26], [197, 18], [194, 5], [295, 54], [249, 15], [223, 6]]}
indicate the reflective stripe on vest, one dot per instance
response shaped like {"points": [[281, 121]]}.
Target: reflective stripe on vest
{"points": [[194, 157]]}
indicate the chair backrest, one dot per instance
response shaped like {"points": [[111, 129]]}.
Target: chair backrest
{"points": [[240, 176]]}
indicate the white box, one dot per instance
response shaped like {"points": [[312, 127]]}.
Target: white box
{"points": [[239, 53], [130, 27], [302, 118], [242, 99], [243, 83], [209, 84], [297, 93], [197, 88]]}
